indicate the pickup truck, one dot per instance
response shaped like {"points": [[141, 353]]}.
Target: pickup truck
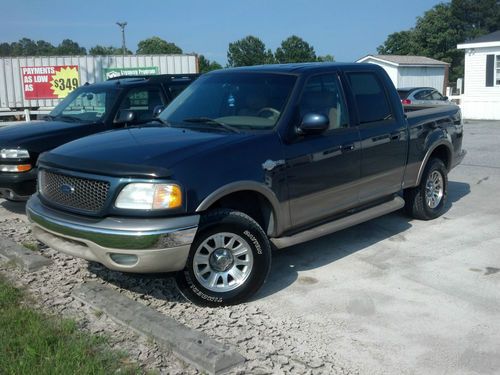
{"points": [[245, 160], [87, 110]]}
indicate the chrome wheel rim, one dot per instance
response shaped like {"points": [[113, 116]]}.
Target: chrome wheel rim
{"points": [[434, 189], [223, 262]]}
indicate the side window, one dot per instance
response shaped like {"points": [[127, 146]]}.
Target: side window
{"points": [[370, 97], [322, 95], [423, 95], [176, 89], [143, 102], [436, 95]]}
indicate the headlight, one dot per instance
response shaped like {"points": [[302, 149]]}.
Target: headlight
{"points": [[149, 196], [14, 153]]}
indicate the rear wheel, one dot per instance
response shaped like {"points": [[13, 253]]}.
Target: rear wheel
{"points": [[427, 201], [229, 260]]}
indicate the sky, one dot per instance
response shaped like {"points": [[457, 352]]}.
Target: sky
{"points": [[347, 29]]}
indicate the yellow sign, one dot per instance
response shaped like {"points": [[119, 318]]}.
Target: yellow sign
{"points": [[64, 81]]}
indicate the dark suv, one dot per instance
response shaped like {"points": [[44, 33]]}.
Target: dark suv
{"points": [[89, 109]]}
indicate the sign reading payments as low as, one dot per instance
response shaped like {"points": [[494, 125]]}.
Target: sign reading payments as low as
{"points": [[139, 71], [49, 82]]}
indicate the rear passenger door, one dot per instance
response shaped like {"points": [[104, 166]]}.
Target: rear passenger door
{"points": [[383, 137], [322, 170]]}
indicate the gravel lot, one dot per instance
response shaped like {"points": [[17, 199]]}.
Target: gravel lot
{"points": [[389, 296]]}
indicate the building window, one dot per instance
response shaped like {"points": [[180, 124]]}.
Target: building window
{"points": [[497, 70]]}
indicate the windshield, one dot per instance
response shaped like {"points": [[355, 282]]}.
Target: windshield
{"points": [[237, 100], [86, 104]]}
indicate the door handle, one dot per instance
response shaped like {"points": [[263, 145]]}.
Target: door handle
{"points": [[395, 136], [347, 148]]}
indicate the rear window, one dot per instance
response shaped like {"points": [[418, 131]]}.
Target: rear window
{"points": [[370, 97]]}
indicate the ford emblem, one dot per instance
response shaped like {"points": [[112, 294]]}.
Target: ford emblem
{"points": [[67, 189]]}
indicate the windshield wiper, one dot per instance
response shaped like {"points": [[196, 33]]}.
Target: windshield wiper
{"points": [[210, 121], [49, 117], [67, 118]]}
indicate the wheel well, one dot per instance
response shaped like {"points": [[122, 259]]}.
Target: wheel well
{"points": [[442, 152], [251, 203]]}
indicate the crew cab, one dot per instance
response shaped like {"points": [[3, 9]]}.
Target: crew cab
{"points": [[243, 159], [87, 110]]}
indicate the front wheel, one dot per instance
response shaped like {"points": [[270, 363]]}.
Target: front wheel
{"points": [[427, 201], [228, 262]]}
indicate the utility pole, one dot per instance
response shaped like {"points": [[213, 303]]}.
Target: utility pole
{"points": [[122, 27]]}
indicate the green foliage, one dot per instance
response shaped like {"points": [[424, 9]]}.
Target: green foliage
{"points": [[99, 50], [33, 343], [437, 33], [206, 65], [155, 45], [294, 50], [248, 51], [69, 47], [326, 58]]}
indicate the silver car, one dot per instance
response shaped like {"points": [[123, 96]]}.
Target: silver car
{"points": [[422, 96]]}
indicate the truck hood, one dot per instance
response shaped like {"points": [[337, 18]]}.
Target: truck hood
{"points": [[39, 136], [146, 151]]}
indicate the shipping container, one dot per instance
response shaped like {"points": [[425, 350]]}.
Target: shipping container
{"points": [[40, 82]]}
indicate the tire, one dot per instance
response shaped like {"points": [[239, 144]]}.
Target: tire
{"points": [[228, 262], [427, 204]]}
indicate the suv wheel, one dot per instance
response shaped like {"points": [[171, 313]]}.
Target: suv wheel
{"points": [[427, 201], [229, 260]]}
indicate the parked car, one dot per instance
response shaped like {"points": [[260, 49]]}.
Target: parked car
{"points": [[87, 110], [244, 158], [420, 97]]}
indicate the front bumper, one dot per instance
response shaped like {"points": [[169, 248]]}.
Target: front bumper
{"points": [[138, 245], [17, 186]]}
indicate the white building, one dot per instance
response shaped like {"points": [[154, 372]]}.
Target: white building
{"points": [[481, 97], [412, 71]]}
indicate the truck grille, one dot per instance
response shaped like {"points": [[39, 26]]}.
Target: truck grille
{"points": [[73, 192]]}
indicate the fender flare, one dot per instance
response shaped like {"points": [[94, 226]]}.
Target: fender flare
{"points": [[249, 185], [429, 152]]}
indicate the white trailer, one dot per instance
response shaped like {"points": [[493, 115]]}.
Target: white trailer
{"points": [[28, 83]]}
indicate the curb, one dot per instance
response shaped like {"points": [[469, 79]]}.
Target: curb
{"points": [[192, 346], [24, 258]]}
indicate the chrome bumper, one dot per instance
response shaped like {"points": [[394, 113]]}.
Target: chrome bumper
{"points": [[124, 244]]}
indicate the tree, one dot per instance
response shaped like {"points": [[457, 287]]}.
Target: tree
{"points": [[99, 50], [437, 33], [248, 51], [205, 65], [69, 47], [294, 50], [44, 48], [5, 49], [155, 46], [24, 47], [326, 58]]}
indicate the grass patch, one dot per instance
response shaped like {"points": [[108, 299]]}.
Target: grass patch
{"points": [[34, 343], [31, 246]]}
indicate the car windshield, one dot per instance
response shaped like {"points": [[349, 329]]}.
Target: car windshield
{"points": [[85, 104], [232, 101]]}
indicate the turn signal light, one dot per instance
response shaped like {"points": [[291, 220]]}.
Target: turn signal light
{"points": [[15, 168]]}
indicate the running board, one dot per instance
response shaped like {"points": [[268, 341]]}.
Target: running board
{"points": [[345, 222]]}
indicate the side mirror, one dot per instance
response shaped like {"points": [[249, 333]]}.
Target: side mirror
{"points": [[313, 123], [445, 98], [158, 109], [124, 116]]}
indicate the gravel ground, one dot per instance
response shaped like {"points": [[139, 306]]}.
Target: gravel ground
{"points": [[271, 344]]}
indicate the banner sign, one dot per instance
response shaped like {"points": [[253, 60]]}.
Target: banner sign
{"points": [[118, 72], [49, 82]]}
